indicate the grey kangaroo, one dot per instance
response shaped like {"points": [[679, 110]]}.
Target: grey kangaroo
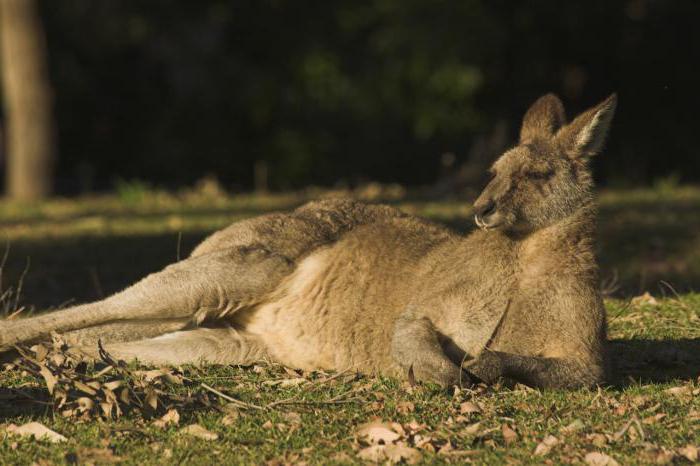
{"points": [[338, 284]]}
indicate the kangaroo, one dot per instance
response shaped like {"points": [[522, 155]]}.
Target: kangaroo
{"points": [[338, 284]]}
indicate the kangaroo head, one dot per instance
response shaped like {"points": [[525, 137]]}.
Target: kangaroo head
{"points": [[546, 177]]}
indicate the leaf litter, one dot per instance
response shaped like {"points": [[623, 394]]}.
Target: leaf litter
{"points": [[108, 389]]}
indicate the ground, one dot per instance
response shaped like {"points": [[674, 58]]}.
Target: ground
{"points": [[65, 251]]}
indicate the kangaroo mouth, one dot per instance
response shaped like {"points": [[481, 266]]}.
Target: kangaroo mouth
{"points": [[491, 223]]}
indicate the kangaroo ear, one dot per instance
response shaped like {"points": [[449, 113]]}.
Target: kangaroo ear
{"points": [[584, 137], [543, 118]]}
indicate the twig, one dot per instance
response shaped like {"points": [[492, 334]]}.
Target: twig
{"points": [[311, 402], [179, 244], [338, 399], [240, 403], [20, 283]]}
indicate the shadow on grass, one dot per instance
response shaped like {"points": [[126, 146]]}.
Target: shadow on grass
{"points": [[654, 361], [23, 402]]}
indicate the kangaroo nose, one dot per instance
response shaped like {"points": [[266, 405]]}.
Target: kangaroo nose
{"points": [[484, 210]]}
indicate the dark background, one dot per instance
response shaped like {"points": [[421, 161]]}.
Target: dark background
{"points": [[351, 90]]}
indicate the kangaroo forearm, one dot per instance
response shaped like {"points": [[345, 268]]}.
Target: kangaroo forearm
{"points": [[415, 346], [536, 371]]}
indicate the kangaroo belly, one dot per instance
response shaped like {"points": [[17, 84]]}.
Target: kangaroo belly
{"points": [[335, 311], [296, 325]]}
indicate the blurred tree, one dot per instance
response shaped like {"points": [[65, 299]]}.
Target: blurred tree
{"points": [[27, 101], [350, 90]]}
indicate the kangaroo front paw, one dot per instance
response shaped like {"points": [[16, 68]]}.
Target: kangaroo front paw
{"points": [[487, 367], [446, 376]]}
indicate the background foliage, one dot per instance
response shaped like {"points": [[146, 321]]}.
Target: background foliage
{"points": [[349, 90]]}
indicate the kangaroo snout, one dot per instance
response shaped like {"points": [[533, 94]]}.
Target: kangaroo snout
{"points": [[484, 213]]}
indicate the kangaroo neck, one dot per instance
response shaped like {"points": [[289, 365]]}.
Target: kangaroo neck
{"points": [[572, 235]]}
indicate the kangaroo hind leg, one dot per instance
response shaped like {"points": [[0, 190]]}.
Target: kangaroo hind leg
{"points": [[206, 287], [223, 345]]}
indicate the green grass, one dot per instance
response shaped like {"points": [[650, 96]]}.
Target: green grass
{"points": [[84, 249]]}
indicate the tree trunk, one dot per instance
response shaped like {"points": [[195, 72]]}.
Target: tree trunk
{"points": [[27, 101]]}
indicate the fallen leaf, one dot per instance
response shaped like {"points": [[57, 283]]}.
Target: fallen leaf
{"points": [[468, 408], [575, 425], [391, 453], [424, 442], [653, 419], [230, 419], [341, 458], [690, 452], [596, 458], [656, 455], [472, 429], [374, 453], [597, 439], [509, 435], [292, 417], [198, 431], [398, 453], [152, 398], [84, 388], [172, 417], [49, 378], [85, 404], [545, 446], [96, 456], [40, 352], [405, 407], [679, 391], [150, 376], [379, 432], [286, 382], [36, 430], [645, 299]]}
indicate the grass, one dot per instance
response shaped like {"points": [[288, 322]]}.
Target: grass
{"points": [[83, 249]]}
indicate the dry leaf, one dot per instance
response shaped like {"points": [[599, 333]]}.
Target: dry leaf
{"points": [[379, 432], [597, 439], [596, 458], [36, 430], [411, 377], [198, 431], [40, 352], [575, 425], [341, 458], [172, 417], [85, 388], [644, 299], [85, 404], [400, 452], [690, 452], [292, 417], [679, 391], [391, 453], [283, 383], [229, 420], [232, 415], [96, 456], [654, 419], [405, 407], [545, 446], [509, 435], [49, 378], [374, 453], [472, 429], [468, 408], [152, 398]]}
